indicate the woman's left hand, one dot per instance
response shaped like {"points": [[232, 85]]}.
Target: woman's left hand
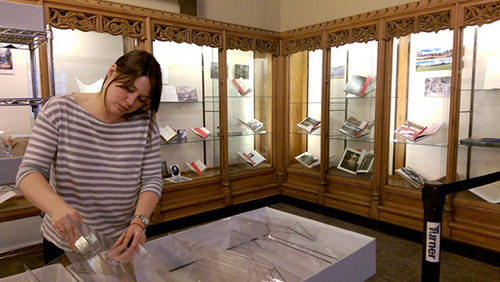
{"points": [[129, 242]]}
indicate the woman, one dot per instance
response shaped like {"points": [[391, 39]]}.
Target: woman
{"points": [[103, 155]]}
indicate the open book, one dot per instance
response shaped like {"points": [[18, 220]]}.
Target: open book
{"points": [[307, 159], [355, 128], [416, 132], [167, 133], [197, 166], [178, 93], [253, 124], [411, 175], [309, 124], [241, 85], [356, 161], [253, 158], [201, 131], [360, 85]]}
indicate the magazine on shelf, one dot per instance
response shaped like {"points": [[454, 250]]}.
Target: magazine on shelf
{"points": [[309, 124], [360, 85], [411, 175], [167, 133], [201, 131], [480, 141], [241, 85], [356, 161], [308, 160], [355, 128], [178, 93], [253, 124], [253, 158], [416, 132], [197, 166]]}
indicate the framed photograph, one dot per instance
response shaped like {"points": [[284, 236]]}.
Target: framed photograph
{"points": [[350, 160], [214, 70], [434, 59], [437, 86], [6, 61], [241, 71]]}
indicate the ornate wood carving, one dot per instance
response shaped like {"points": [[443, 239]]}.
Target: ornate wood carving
{"points": [[171, 33], [252, 44], [358, 34], [420, 23], [303, 44], [74, 20], [339, 38], [481, 14], [205, 38], [117, 26], [264, 46]]}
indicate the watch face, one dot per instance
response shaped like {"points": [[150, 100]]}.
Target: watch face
{"points": [[145, 220]]}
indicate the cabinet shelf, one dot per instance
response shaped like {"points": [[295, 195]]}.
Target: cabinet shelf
{"points": [[30, 38], [342, 137]]}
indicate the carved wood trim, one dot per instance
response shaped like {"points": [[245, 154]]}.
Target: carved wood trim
{"points": [[352, 35], [302, 44], [420, 23], [168, 32], [481, 14], [252, 44], [64, 19], [117, 26]]}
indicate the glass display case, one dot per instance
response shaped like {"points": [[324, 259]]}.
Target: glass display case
{"points": [[249, 108], [305, 109], [479, 130], [420, 106], [189, 109], [352, 110]]}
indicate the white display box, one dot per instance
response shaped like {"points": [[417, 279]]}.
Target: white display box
{"points": [[290, 247]]}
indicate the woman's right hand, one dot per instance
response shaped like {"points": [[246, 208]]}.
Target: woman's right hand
{"points": [[60, 219]]}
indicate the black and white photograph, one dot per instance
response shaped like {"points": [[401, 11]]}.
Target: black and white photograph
{"points": [[437, 86], [350, 160], [214, 70], [186, 93], [241, 71], [6, 61], [367, 163]]}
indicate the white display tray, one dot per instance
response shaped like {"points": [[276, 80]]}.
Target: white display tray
{"points": [[266, 242], [54, 273]]}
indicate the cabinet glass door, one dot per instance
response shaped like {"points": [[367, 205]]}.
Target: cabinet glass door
{"points": [[352, 110], [189, 109], [420, 102], [249, 110], [305, 109], [479, 132]]}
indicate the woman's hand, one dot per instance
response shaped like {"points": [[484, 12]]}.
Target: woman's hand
{"points": [[62, 224], [128, 244]]}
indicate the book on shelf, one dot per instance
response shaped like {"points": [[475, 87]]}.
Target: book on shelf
{"points": [[178, 93], [253, 158], [253, 124], [181, 136], [360, 85], [479, 141], [4, 196], [241, 85], [309, 124], [308, 160], [178, 179], [415, 178], [356, 161], [355, 128], [201, 131], [197, 166], [489, 192], [416, 132], [167, 133]]}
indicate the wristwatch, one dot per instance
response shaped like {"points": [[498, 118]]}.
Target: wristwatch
{"points": [[143, 218]]}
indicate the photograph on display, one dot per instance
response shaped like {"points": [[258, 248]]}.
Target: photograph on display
{"points": [[186, 93], [434, 59], [351, 160], [6, 61], [241, 71], [338, 69], [437, 86], [214, 70]]}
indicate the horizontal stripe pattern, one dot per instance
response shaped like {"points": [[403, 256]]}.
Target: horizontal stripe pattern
{"points": [[98, 168]]}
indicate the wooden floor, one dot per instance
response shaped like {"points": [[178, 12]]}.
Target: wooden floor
{"points": [[398, 250]]}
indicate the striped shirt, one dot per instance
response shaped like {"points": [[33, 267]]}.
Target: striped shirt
{"points": [[98, 168]]}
